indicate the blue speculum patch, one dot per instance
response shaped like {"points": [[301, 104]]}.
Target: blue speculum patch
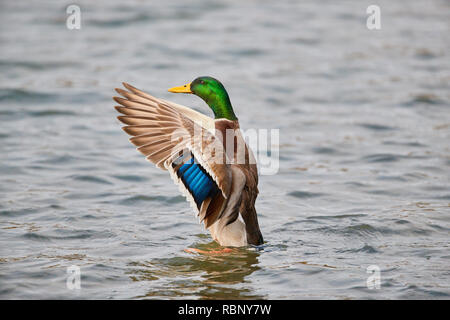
{"points": [[197, 181]]}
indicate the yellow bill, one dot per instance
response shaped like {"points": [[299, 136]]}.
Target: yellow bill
{"points": [[183, 89]]}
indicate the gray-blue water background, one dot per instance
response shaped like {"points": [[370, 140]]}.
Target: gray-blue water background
{"points": [[364, 148]]}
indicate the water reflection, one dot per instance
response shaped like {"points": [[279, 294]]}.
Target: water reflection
{"points": [[200, 276]]}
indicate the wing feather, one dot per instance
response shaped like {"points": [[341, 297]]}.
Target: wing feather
{"points": [[138, 95]]}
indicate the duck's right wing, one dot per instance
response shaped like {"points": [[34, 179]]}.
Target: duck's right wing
{"points": [[179, 139]]}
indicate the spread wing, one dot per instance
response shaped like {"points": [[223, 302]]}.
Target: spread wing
{"points": [[182, 141]]}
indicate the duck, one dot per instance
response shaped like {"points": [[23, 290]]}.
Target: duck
{"points": [[207, 157]]}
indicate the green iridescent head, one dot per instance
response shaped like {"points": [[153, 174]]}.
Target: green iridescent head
{"points": [[213, 93]]}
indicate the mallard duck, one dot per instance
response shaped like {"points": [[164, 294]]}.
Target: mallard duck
{"points": [[217, 175]]}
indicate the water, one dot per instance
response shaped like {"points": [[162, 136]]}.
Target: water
{"points": [[364, 149]]}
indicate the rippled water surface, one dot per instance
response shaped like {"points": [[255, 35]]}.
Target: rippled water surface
{"points": [[364, 167]]}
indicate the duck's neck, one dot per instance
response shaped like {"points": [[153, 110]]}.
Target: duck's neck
{"points": [[221, 106]]}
